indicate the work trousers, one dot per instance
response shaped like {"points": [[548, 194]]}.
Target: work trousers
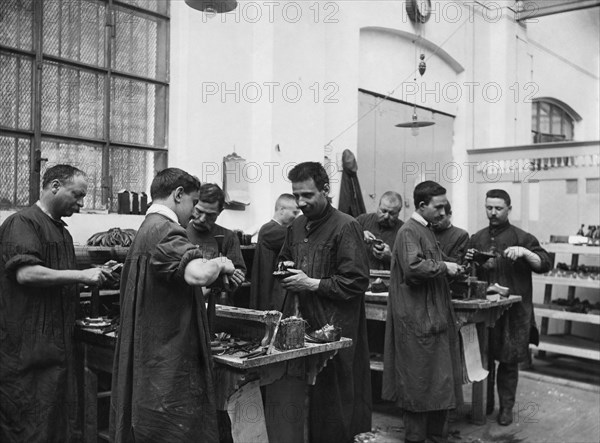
{"points": [[507, 380], [419, 426]]}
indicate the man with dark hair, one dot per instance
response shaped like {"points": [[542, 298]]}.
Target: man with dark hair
{"points": [[421, 361], [205, 232], [266, 292], [38, 301], [328, 286], [452, 240], [518, 253], [162, 385], [380, 229]]}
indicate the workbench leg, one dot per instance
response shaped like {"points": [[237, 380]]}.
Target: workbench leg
{"points": [[480, 389], [285, 411], [90, 406]]}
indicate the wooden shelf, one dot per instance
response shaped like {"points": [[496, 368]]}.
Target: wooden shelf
{"points": [[569, 345], [578, 282], [558, 314], [565, 248]]}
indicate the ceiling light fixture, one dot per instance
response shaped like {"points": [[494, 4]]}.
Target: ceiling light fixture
{"points": [[212, 7], [414, 124]]}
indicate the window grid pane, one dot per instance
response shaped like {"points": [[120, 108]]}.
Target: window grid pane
{"points": [[135, 46], [133, 111], [16, 24], [86, 157], [15, 91], [72, 101], [14, 171], [160, 6], [75, 30]]}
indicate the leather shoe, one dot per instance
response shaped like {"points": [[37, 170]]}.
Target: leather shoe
{"points": [[505, 417]]}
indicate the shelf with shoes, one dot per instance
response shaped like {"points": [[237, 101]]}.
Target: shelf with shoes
{"points": [[570, 309]]}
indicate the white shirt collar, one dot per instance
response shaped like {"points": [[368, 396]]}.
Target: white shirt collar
{"points": [[157, 208], [419, 218]]}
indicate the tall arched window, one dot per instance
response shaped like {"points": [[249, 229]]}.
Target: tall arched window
{"points": [[552, 120]]}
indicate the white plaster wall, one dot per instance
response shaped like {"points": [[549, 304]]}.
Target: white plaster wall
{"points": [[565, 64], [314, 47]]}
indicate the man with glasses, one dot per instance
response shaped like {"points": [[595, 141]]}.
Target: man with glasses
{"points": [[380, 229], [212, 238]]}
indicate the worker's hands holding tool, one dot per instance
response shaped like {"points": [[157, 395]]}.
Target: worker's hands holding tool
{"points": [[225, 265], [369, 237], [237, 278], [94, 276], [299, 281], [516, 252], [453, 269], [469, 254], [381, 250]]}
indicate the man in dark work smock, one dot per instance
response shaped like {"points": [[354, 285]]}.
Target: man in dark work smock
{"points": [[38, 302], [266, 292], [518, 253], [162, 381], [452, 240], [383, 225], [329, 284], [422, 371], [203, 231]]}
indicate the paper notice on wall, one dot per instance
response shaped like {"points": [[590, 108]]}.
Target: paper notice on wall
{"points": [[236, 175], [247, 414], [472, 354]]}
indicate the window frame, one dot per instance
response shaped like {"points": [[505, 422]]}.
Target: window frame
{"points": [[554, 109], [35, 135]]}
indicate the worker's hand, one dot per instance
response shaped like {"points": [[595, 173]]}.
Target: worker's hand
{"points": [[381, 250], [453, 269], [516, 252], [225, 265], [469, 254], [94, 276], [299, 281], [237, 278], [369, 236]]}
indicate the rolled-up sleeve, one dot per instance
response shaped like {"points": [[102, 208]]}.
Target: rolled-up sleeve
{"points": [[172, 254]]}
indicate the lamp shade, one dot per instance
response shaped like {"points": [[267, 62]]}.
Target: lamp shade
{"points": [[414, 123], [217, 6]]}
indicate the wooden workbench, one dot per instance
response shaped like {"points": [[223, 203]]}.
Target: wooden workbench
{"points": [[285, 374], [483, 313]]}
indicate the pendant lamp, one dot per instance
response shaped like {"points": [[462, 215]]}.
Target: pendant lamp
{"points": [[212, 6], [414, 124]]}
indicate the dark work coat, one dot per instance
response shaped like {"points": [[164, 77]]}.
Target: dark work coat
{"points": [[38, 401], [266, 292], [162, 385], [421, 355], [351, 200], [369, 222], [209, 246], [510, 335], [332, 250], [453, 242]]}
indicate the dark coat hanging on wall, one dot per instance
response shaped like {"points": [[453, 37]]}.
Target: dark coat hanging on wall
{"points": [[351, 199]]}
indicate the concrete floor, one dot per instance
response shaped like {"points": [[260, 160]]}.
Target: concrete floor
{"points": [[558, 401]]}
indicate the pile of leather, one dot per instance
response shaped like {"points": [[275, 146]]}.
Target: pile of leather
{"points": [[113, 237]]}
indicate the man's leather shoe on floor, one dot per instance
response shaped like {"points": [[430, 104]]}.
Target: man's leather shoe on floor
{"points": [[505, 417]]}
